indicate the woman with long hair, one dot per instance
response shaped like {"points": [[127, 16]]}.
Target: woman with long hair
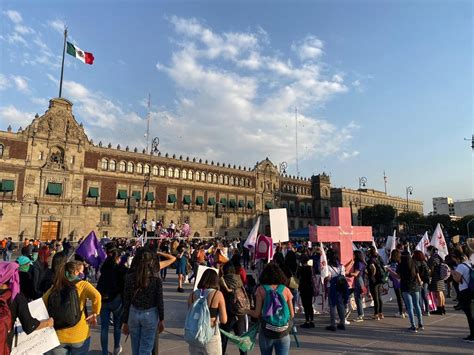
{"points": [[424, 271], [74, 339], [358, 273], [110, 286], [374, 270], [209, 284], [143, 312], [306, 289], [410, 282], [395, 258], [338, 292], [272, 285]]}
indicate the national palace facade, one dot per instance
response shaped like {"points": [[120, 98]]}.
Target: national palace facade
{"points": [[56, 183]]}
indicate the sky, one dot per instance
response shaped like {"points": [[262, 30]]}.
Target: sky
{"points": [[377, 85]]}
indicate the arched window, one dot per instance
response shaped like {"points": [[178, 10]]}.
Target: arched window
{"points": [[155, 170], [242, 182], [203, 176], [176, 173], [162, 171], [139, 168], [250, 183], [232, 180], [226, 180], [184, 174], [221, 179], [197, 176], [170, 172], [105, 164], [2, 150], [146, 169], [129, 167], [190, 175], [122, 166], [209, 177], [214, 178], [112, 165]]}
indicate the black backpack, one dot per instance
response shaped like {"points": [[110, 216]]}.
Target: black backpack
{"points": [[64, 307]]}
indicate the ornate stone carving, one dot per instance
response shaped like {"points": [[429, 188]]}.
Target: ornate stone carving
{"points": [[30, 179], [77, 184]]}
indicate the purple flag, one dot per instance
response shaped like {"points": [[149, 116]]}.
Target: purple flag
{"points": [[91, 251]]}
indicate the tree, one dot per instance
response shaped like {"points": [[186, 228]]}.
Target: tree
{"points": [[379, 216], [461, 225], [410, 218]]}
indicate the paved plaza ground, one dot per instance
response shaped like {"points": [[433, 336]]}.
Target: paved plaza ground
{"points": [[442, 334]]}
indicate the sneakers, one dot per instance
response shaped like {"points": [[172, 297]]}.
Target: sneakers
{"points": [[413, 330], [331, 328], [400, 315], [346, 322], [358, 319], [421, 327], [469, 339], [341, 327], [118, 350]]}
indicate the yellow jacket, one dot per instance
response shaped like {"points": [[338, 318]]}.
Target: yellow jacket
{"points": [[80, 331]]}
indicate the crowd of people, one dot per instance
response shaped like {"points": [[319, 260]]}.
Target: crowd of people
{"points": [[235, 294]]}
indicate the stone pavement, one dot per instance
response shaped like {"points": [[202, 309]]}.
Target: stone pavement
{"points": [[442, 334]]}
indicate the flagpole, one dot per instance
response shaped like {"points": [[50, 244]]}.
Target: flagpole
{"points": [[62, 65]]}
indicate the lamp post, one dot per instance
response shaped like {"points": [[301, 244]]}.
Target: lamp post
{"points": [[283, 167], [362, 182], [409, 191], [154, 149]]}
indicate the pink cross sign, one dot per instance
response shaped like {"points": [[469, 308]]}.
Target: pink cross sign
{"points": [[341, 231]]}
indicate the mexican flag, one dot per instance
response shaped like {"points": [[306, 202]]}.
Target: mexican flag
{"points": [[75, 51]]}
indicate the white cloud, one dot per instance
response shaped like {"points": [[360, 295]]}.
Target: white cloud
{"points": [[42, 102], [4, 82], [24, 30], [221, 112], [16, 38], [57, 25], [14, 16], [309, 48], [21, 83], [348, 155], [14, 117]]}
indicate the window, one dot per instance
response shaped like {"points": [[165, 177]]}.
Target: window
{"points": [[146, 169], [300, 224], [198, 176], [105, 164], [225, 221], [231, 180], [170, 172], [176, 173], [184, 174], [292, 224], [112, 165], [221, 179], [203, 176], [105, 218], [156, 170], [129, 167], [214, 178], [122, 166], [190, 175], [209, 177], [236, 182], [226, 180], [139, 168], [210, 221], [2, 150], [162, 171]]}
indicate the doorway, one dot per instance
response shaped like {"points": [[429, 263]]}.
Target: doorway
{"points": [[49, 230]]}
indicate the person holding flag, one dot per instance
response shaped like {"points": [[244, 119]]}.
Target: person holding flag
{"points": [[437, 283]]}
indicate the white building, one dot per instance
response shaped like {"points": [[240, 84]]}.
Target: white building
{"points": [[459, 208]]}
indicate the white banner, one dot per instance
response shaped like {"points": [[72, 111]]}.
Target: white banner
{"points": [[200, 271], [39, 341], [279, 225], [438, 241], [423, 244], [252, 238]]}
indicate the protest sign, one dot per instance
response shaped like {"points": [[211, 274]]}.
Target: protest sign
{"points": [[200, 271], [279, 225]]}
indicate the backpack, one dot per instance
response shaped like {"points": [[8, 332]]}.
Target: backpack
{"points": [[275, 313], [6, 322], [444, 271], [381, 274], [197, 326], [470, 282], [64, 307], [238, 302]]}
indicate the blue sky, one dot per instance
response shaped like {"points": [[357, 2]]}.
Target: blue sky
{"points": [[379, 85]]}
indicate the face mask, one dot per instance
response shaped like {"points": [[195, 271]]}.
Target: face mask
{"points": [[72, 278]]}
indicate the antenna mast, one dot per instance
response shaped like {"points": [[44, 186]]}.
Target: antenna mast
{"points": [[148, 124], [296, 142], [385, 181]]}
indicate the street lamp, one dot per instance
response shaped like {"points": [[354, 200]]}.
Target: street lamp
{"points": [[154, 149], [409, 191], [362, 182], [283, 167]]}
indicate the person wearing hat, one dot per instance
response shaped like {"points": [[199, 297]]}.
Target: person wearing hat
{"points": [[26, 279]]}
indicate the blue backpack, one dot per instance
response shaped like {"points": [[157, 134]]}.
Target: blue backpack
{"points": [[197, 327], [275, 313]]}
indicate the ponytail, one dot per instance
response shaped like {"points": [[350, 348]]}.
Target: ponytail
{"points": [[60, 278]]}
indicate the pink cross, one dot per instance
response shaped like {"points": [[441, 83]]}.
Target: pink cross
{"points": [[341, 231]]}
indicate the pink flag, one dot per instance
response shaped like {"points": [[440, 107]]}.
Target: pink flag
{"points": [[438, 241], [264, 248]]}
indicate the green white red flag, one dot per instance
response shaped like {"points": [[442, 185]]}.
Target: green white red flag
{"points": [[75, 51]]}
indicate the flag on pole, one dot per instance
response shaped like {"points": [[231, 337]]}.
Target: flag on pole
{"points": [[373, 243], [323, 264], [423, 243], [75, 51], [438, 241], [391, 243], [252, 237], [91, 251]]}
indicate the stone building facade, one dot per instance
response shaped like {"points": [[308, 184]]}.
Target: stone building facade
{"points": [[56, 183]]}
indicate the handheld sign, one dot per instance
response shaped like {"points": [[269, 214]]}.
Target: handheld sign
{"points": [[279, 225]]}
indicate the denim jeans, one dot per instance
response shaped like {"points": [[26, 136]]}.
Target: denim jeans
{"points": [[358, 300], [142, 324], [81, 348], [424, 298], [163, 273], [282, 345], [412, 300], [113, 307], [339, 308]]}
